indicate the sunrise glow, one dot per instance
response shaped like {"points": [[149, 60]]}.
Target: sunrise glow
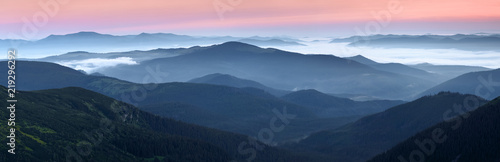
{"points": [[215, 17]]}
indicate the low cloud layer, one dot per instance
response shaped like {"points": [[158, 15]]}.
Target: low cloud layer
{"points": [[91, 65], [489, 59]]}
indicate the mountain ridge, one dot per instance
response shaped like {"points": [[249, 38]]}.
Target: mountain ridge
{"points": [[100, 43], [280, 70], [241, 110], [445, 141], [327, 105], [232, 81], [49, 124], [481, 83], [371, 135]]}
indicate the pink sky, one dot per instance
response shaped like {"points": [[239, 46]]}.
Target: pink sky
{"points": [[248, 17]]}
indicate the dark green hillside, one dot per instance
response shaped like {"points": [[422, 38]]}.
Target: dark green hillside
{"points": [[471, 137], [373, 134], [240, 110], [51, 124], [54, 123]]}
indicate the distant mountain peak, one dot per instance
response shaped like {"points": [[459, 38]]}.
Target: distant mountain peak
{"points": [[269, 42], [82, 34], [310, 93], [86, 34], [425, 63], [77, 52], [143, 33], [362, 59], [149, 34], [234, 44], [359, 56], [214, 76]]}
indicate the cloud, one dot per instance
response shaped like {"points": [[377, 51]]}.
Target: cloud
{"points": [[489, 59], [91, 65]]}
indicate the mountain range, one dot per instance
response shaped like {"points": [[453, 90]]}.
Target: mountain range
{"points": [[485, 84], [205, 104], [398, 68], [99, 43], [278, 69], [448, 71], [270, 42], [327, 106], [426, 71], [77, 124], [378, 36], [414, 78], [471, 42], [470, 137], [241, 110], [236, 101], [135, 55], [371, 135]]}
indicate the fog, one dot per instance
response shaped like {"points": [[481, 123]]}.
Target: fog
{"points": [[489, 59], [91, 65]]}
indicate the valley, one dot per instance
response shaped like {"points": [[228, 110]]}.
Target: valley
{"points": [[236, 101]]}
